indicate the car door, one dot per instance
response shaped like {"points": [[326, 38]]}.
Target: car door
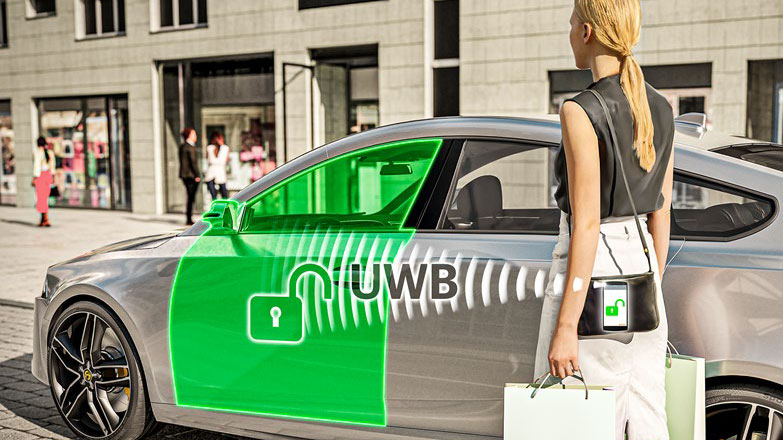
{"points": [[496, 222], [288, 317]]}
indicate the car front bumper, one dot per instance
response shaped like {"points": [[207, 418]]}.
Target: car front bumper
{"points": [[38, 367]]}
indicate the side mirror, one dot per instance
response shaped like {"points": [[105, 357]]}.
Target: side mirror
{"points": [[222, 217]]}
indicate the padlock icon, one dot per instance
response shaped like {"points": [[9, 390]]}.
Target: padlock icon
{"points": [[279, 319], [615, 309]]}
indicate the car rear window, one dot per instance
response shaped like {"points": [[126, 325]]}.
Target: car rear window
{"points": [[768, 155]]}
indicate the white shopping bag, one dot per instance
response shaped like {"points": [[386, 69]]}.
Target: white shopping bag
{"points": [[685, 412], [557, 411]]}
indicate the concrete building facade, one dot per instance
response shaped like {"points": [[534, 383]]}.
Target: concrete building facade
{"points": [[112, 82]]}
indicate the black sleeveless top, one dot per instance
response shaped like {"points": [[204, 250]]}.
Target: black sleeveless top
{"points": [[645, 187]]}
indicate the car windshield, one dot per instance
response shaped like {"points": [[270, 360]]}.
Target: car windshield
{"points": [[768, 155]]}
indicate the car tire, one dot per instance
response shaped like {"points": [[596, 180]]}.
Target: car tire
{"points": [[88, 384], [728, 407]]}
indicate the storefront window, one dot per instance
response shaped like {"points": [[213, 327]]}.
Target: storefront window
{"points": [[234, 97], [89, 139], [8, 170]]}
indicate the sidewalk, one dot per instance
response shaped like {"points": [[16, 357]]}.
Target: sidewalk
{"points": [[27, 250]]}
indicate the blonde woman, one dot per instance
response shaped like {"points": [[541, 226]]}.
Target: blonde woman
{"points": [[598, 234], [217, 158]]}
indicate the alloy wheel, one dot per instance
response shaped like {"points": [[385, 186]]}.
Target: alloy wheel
{"points": [[743, 421], [89, 375]]}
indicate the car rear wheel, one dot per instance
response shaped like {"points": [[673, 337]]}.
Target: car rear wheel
{"points": [[94, 375], [744, 412]]}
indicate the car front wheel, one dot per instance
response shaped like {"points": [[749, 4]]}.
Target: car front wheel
{"points": [[94, 375], [744, 412]]}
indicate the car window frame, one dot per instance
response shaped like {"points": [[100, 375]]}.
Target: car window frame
{"points": [[450, 178], [416, 206], [730, 188]]}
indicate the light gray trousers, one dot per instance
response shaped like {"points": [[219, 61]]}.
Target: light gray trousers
{"points": [[634, 364]]}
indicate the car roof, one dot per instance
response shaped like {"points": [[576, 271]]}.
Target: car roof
{"points": [[538, 127], [543, 128]]}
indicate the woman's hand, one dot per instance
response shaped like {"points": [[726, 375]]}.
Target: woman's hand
{"points": [[563, 352]]}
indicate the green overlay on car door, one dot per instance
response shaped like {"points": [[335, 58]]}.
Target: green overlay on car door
{"points": [[267, 322]]}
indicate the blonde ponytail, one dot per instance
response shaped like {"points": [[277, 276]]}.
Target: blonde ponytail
{"points": [[617, 25]]}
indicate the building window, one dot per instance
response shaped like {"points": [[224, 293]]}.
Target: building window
{"points": [[178, 14], [89, 136], [235, 97], [3, 25], [445, 64], [309, 4], [40, 8], [101, 18], [765, 100]]}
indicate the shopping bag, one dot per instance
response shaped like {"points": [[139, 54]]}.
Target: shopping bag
{"points": [[557, 411], [685, 413]]}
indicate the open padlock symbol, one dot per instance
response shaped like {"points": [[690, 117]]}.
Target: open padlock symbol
{"points": [[279, 319], [615, 309]]}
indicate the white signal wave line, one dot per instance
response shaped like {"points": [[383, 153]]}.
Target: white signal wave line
{"points": [[521, 277], [503, 282], [369, 281], [469, 282], [485, 281], [354, 300], [381, 297], [332, 258], [425, 293], [340, 289], [439, 304], [540, 283]]}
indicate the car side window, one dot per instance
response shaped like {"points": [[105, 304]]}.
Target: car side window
{"points": [[704, 210], [371, 188], [503, 186]]}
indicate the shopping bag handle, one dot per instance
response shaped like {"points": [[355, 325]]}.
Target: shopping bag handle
{"points": [[669, 348], [546, 376]]}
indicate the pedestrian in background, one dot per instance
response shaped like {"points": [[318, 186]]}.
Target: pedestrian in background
{"points": [[217, 158], [43, 166], [189, 170]]}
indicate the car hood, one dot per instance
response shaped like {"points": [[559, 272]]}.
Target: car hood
{"points": [[146, 242]]}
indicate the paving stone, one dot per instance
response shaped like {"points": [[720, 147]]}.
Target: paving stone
{"points": [[47, 433], [10, 434], [18, 424], [16, 395], [23, 385], [33, 413]]}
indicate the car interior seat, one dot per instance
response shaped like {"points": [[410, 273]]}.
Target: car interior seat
{"points": [[479, 203]]}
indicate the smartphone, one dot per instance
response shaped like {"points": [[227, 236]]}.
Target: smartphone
{"points": [[616, 306]]}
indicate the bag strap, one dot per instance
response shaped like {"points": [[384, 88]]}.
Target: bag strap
{"points": [[614, 141]]}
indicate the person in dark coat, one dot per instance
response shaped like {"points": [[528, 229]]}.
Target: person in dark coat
{"points": [[189, 170]]}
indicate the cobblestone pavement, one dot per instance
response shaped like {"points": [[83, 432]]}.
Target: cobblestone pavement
{"points": [[26, 407]]}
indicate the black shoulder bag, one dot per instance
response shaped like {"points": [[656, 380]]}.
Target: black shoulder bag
{"points": [[620, 303]]}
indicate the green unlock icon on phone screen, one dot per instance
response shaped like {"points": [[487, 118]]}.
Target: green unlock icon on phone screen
{"points": [[279, 319], [615, 309]]}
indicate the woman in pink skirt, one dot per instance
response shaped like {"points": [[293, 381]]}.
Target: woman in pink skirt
{"points": [[43, 166]]}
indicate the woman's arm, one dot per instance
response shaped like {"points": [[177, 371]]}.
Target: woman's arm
{"points": [[584, 190], [659, 222]]}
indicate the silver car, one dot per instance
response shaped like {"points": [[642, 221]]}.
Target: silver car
{"points": [[271, 318]]}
